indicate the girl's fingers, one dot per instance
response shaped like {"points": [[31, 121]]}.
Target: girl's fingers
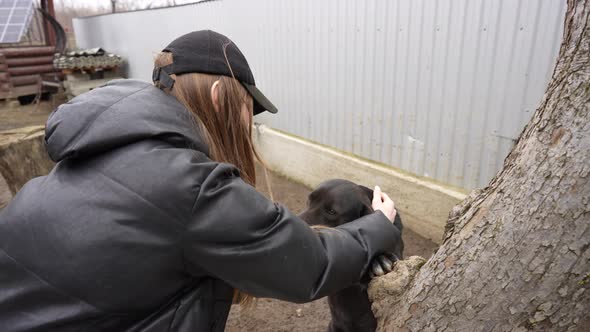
{"points": [[377, 196], [386, 198]]}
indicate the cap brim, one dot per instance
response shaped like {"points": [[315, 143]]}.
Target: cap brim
{"points": [[261, 103]]}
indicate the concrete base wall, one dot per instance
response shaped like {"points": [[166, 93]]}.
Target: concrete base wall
{"points": [[424, 205]]}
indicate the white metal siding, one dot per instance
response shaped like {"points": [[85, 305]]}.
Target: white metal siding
{"points": [[437, 88]]}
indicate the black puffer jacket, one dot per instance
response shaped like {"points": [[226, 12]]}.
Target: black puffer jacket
{"points": [[136, 229]]}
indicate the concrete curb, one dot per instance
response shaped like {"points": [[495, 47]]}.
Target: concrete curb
{"points": [[423, 204]]}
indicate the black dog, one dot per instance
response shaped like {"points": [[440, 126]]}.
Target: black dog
{"points": [[333, 203]]}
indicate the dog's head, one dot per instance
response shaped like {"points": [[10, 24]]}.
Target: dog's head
{"points": [[336, 202]]}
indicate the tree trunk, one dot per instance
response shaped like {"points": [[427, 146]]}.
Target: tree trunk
{"points": [[23, 156], [515, 254]]}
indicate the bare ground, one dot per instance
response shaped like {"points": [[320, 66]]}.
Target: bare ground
{"points": [[13, 115], [267, 315]]}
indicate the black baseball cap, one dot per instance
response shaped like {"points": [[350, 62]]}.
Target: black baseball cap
{"points": [[205, 52]]}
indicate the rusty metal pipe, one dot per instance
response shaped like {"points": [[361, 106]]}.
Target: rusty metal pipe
{"points": [[28, 70], [27, 51], [41, 60], [24, 80], [50, 38]]}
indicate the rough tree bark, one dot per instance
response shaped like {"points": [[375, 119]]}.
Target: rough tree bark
{"points": [[24, 147], [515, 254]]}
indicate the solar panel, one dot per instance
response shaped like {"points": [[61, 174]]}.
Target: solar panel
{"points": [[15, 16]]}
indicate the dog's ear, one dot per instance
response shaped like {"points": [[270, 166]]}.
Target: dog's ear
{"points": [[368, 192], [367, 203]]}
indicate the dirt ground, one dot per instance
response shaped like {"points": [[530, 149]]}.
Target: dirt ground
{"points": [[13, 115], [276, 316], [266, 315]]}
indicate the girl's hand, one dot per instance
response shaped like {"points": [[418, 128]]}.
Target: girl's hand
{"points": [[383, 203]]}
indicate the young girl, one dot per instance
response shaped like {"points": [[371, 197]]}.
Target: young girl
{"points": [[150, 221]]}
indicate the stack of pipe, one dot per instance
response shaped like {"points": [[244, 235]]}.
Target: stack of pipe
{"points": [[21, 68]]}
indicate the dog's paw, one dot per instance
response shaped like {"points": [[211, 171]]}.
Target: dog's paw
{"points": [[382, 265]]}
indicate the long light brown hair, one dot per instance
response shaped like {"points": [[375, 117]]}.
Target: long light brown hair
{"points": [[224, 130], [227, 135]]}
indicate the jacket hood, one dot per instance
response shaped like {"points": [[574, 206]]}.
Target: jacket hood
{"points": [[119, 113]]}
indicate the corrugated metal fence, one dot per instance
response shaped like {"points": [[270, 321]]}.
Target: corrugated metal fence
{"points": [[437, 88]]}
